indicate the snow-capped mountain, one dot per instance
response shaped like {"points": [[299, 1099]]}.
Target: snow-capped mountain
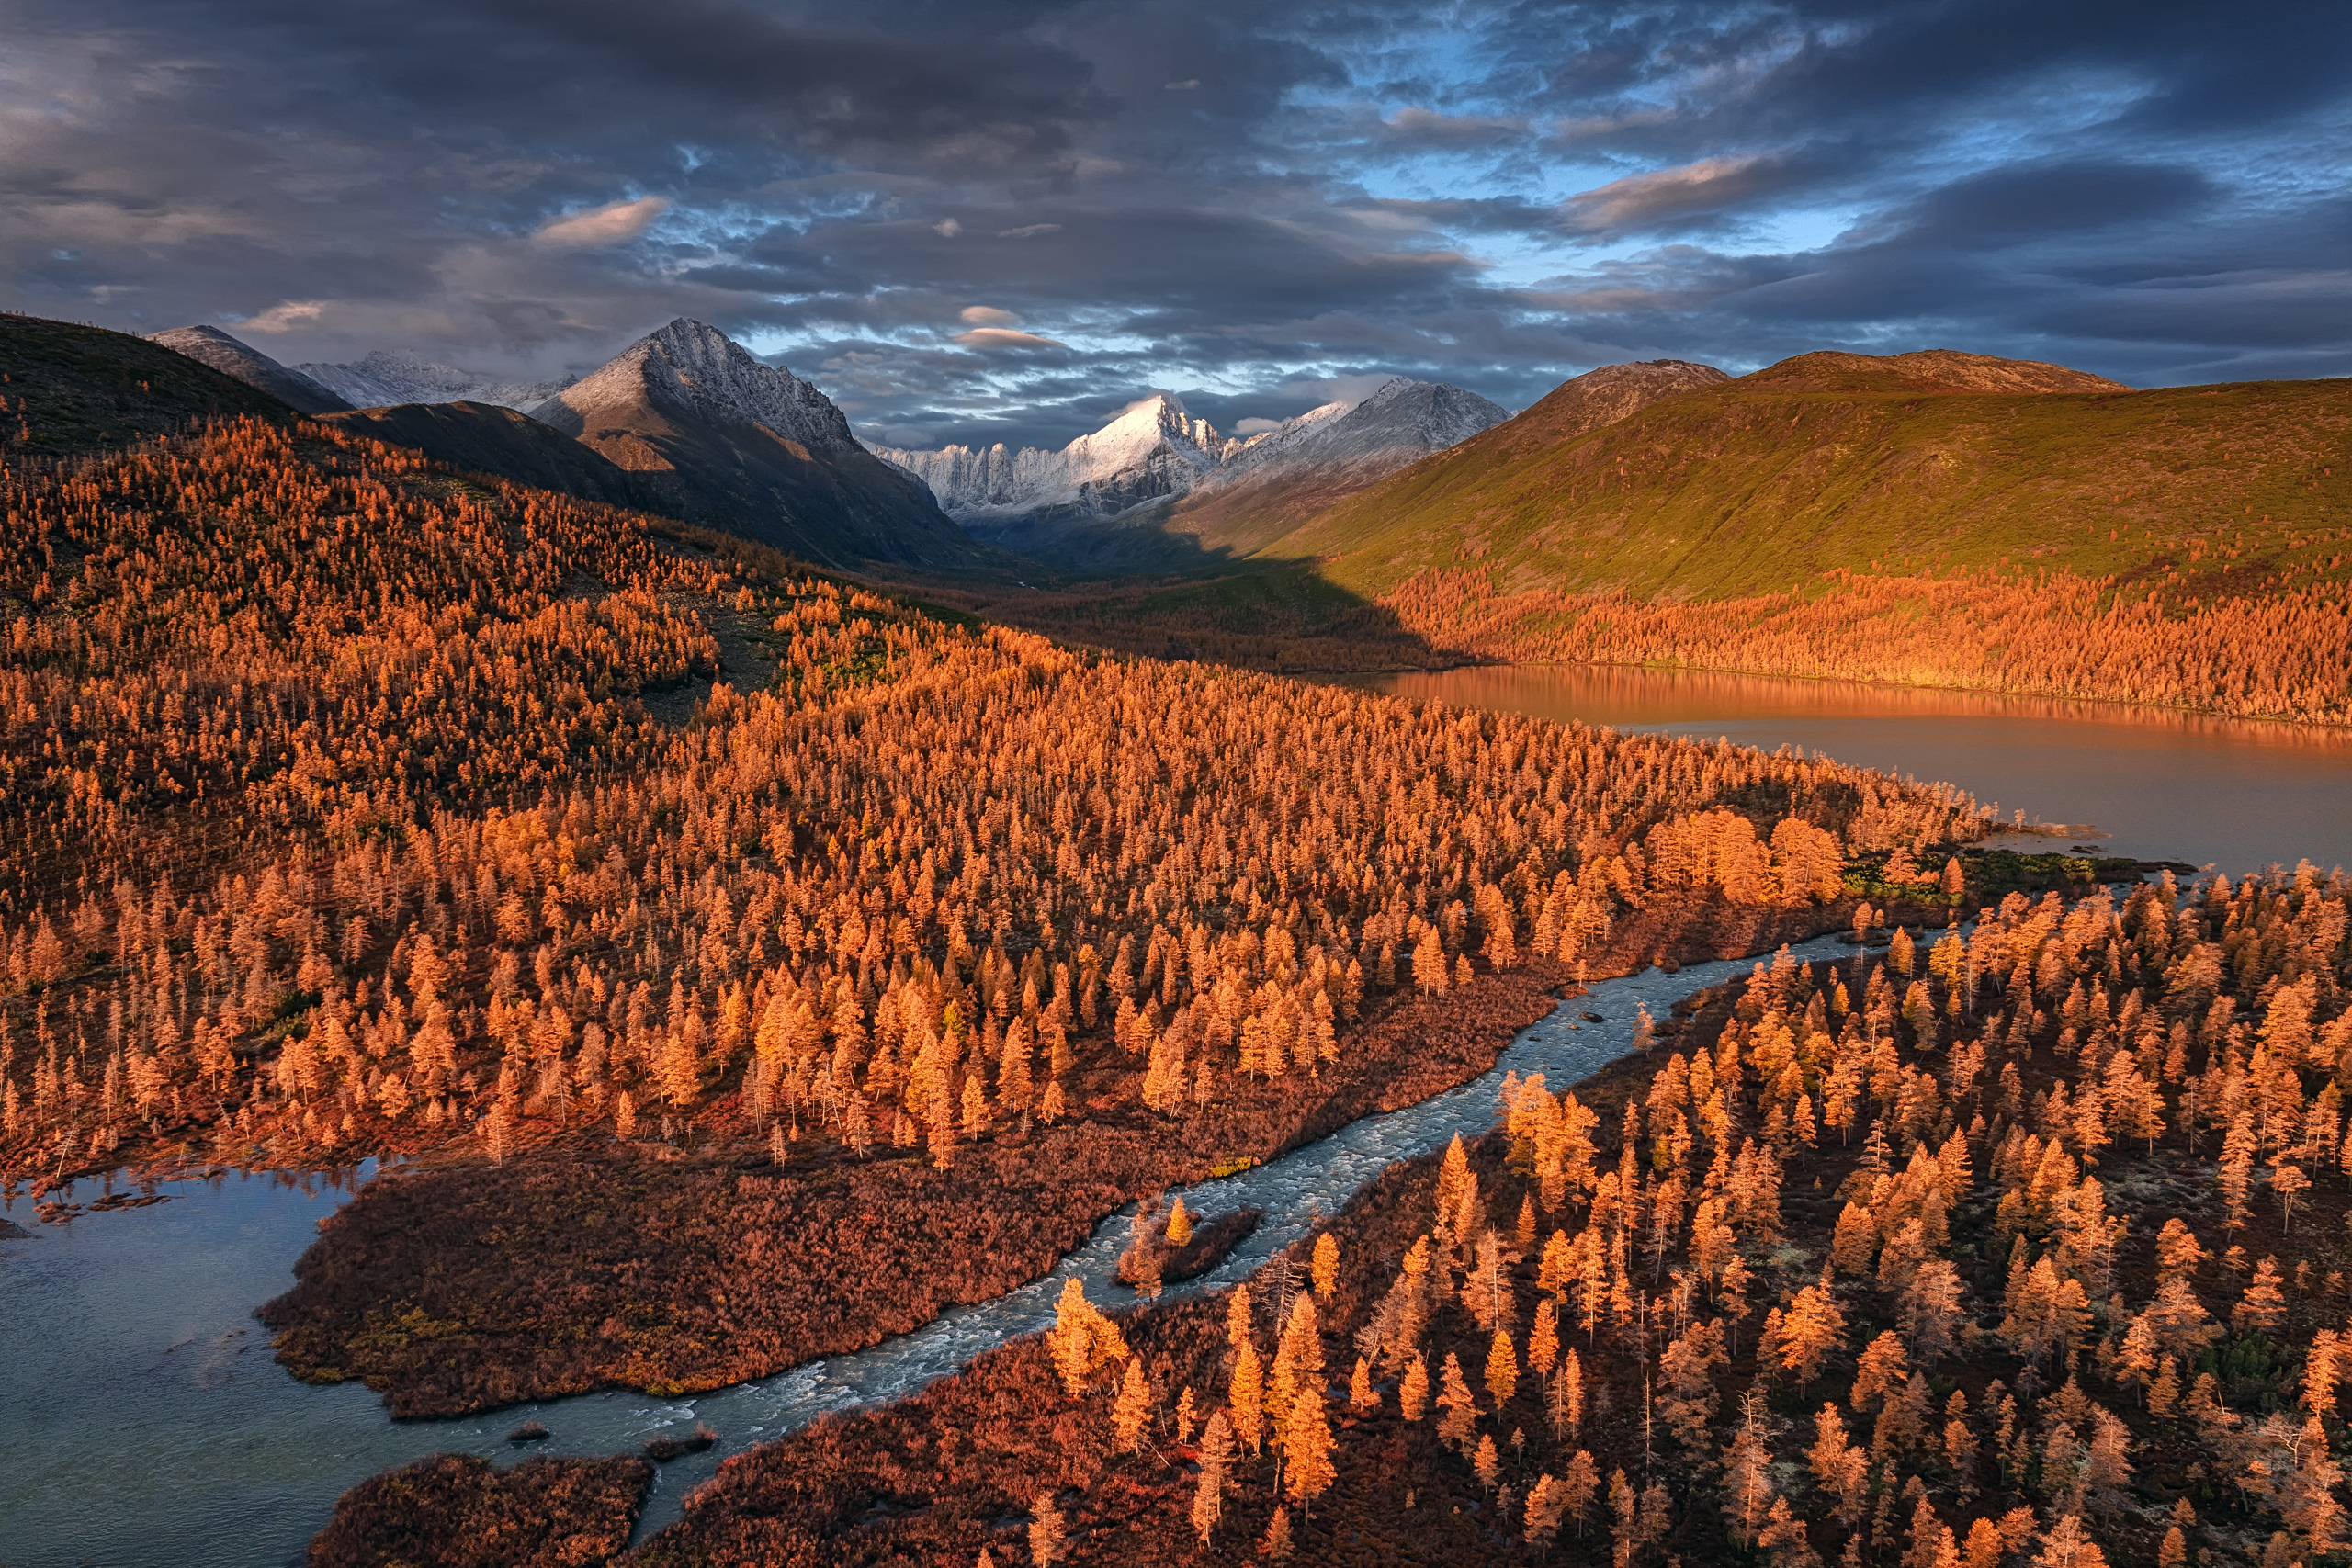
{"points": [[1402, 422], [211, 346], [1125, 496], [721, 438], [700, 370], [388, 379], [1153, 449], [1307, 464]]}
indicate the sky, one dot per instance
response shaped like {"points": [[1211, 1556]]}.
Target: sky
{"points": [[975, 221]]}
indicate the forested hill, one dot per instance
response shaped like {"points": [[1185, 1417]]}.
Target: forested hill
{"points": [[1939, 464]]}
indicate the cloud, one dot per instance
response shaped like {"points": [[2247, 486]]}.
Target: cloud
{"points": [[1430, 129], [607, 225], [1002, 337], [1262, 207], [1255, 426], [1703, 192], [292, 315]]}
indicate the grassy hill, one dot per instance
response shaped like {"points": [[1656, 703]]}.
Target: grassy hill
{"points": [[1928, 464], [72, 390]]}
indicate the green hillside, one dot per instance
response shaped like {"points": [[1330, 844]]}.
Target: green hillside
{"points": [[1830, 461]]}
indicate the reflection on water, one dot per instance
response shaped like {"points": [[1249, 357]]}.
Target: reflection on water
{"points": [[2234, 795], [149, 1426]]}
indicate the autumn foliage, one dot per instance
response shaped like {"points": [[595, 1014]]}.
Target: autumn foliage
{"points": [[339, 826], [1839, 1272]]}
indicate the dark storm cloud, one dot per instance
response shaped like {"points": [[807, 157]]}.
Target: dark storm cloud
{"points": [[985, 219]]}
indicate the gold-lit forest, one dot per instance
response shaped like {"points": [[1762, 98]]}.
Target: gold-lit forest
{"points": [[747, 964], [344, 827], [2021, 1245]]}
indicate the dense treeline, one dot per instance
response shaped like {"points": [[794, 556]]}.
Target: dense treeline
{"points": [[2255, 643], [371, 844], [2272, 649], [1842, 1269], [456, 1511]]}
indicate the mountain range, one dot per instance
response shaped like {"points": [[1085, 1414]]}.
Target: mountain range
{"points": [[1156, 489], [211, 346], [723, 439], [1662, 480], [682, 423], [384, 379]]}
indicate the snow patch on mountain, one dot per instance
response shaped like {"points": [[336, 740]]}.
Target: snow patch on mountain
{"points": [[700, 370], [386, 380], [1154, 448], [1402, 421]]}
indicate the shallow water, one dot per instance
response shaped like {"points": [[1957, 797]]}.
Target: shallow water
{"points": [[2224, 793], [148, 1425]]}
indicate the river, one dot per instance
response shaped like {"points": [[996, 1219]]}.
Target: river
{"points": [[150, 1428], [2160, 785]]}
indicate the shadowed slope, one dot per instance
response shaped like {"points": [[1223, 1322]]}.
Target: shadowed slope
{"points": [[718, 438], [491, 439], [72, 390], [211, 346]]}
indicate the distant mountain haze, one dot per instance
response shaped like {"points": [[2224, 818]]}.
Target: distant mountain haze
{"points": [[211, 346], [384, 379], [1293, 472], [1153, 447], [1939, 462]]}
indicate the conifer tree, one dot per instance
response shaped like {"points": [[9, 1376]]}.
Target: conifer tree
{"points": [[1217, 1451], [1246, 1396], [1309, 1472], [1413, 1395], [1045, 1527], [1454, 1398], [1502, 1367], [1132, 1411], [1363, 1398]]}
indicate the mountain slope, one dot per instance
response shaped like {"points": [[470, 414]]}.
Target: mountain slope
{"points": [[1834, 460], [1293, 472], [722, 439], [1029, 501], [386, 381], [490, 439], [1157, 491], [72, 390], [211, 346]]}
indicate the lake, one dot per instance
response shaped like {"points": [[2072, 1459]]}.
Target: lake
{"points": [[2159, 784]]}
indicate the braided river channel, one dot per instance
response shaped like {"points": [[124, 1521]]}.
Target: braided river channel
{"points": [[148, 1425]]}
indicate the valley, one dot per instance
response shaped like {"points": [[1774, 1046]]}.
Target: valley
{"points": [[744, 917]]}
